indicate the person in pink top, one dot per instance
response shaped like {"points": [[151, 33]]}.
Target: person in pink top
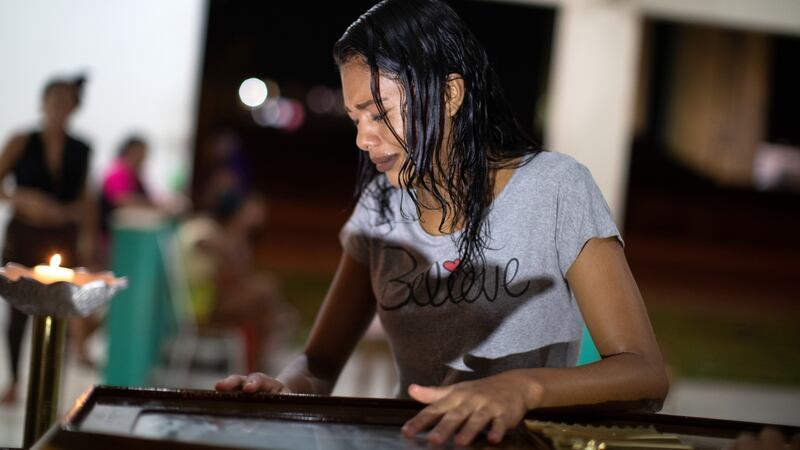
{"points": [[122, 185]]}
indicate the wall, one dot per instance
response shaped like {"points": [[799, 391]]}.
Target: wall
{"points": [[143, 62]]}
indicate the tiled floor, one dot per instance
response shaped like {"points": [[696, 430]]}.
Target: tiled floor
{"points": [[370, 373]]}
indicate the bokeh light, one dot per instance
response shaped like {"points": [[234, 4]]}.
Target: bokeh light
{"points": [[321, 99], [253, 92], [281, 113]]}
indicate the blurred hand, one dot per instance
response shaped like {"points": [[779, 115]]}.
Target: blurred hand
{"points": [[255, 382], [41, 209], [768, 439], [467, 408]]}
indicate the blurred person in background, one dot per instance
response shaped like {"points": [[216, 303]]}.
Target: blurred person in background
{"points": [[225, 167], [225, 287], [53, 207], [122, 182], [122, 187]]}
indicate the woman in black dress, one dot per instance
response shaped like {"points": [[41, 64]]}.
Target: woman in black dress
{"points": [[52, 208]]}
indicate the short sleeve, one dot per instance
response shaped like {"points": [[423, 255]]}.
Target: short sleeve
{"points": [[581, 214], [354, 236]]}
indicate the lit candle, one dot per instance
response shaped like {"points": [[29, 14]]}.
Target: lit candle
{"points": [[52, 273]]}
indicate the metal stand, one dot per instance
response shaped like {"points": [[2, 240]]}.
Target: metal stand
{"points": [[44, 384], [50, 305]]}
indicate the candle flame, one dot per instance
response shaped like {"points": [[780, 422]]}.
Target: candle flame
{"points": [[55, 260]]}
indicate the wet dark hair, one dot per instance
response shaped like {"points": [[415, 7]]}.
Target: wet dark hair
{"points": [[420, 44], [129, 143], [76, 84]]}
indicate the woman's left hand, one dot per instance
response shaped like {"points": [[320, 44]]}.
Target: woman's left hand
{"points": [[499, 401]]}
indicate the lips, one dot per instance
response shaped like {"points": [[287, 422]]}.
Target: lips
{"points": [[384, 163]]}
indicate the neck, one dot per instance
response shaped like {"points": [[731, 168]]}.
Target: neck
{"points": [[53, 130], [431, 211]]}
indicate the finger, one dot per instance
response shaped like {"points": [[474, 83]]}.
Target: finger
{"points": [[422, 421], [259, 382], [451, 421], [476, 422], [230, 383], [497, 431], [746, 441], [428, 395], [271, 385], [771, 438]]}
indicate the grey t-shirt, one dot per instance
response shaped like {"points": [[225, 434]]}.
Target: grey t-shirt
{"points": [[517, 311]]}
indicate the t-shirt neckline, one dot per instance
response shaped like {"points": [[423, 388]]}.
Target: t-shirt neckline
{"points": [[439, 237]]}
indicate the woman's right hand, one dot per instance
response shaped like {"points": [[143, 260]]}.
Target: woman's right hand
{"points": [[255, 382]]}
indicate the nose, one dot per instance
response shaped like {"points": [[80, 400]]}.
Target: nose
{"points": [[366, 137]]}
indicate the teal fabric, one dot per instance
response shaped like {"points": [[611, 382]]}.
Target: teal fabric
{"points": [[141, 316], [588, 353]]}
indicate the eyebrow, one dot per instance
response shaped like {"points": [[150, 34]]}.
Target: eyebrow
{"points": [[364, 104]]}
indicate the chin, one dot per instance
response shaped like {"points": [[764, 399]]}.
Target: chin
{"points": [[393, 178]]}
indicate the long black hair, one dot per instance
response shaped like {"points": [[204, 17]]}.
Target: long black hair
{"points": [[421, 44]]}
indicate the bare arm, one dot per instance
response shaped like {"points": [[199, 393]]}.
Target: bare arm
{"points": [[88, 221], [11, 153], [347, 310], [631, 372], [631, 368], [33, 206]]}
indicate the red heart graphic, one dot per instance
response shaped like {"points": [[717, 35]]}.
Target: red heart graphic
{"points": [[451, 265]]}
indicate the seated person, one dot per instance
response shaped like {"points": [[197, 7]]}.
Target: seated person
{"points": [[225, 288]]}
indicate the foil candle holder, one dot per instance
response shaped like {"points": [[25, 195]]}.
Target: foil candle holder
{"points": [[85, 293], [34, 293]]}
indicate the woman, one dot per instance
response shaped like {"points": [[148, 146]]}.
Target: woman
{"points": [[122, 183], [52, 208], [482, 255]]}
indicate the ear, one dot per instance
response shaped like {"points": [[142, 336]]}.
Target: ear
{"points": [[454, 93]]}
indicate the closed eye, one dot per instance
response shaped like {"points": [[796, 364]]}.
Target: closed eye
{"points": [[379, 117]]}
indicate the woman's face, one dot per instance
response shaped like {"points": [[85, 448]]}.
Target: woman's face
{"points": [[59, 103], [373, 135], [136, 156]]}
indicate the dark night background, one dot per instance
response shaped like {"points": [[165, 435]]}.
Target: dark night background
{"points": [[291, 43]]}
